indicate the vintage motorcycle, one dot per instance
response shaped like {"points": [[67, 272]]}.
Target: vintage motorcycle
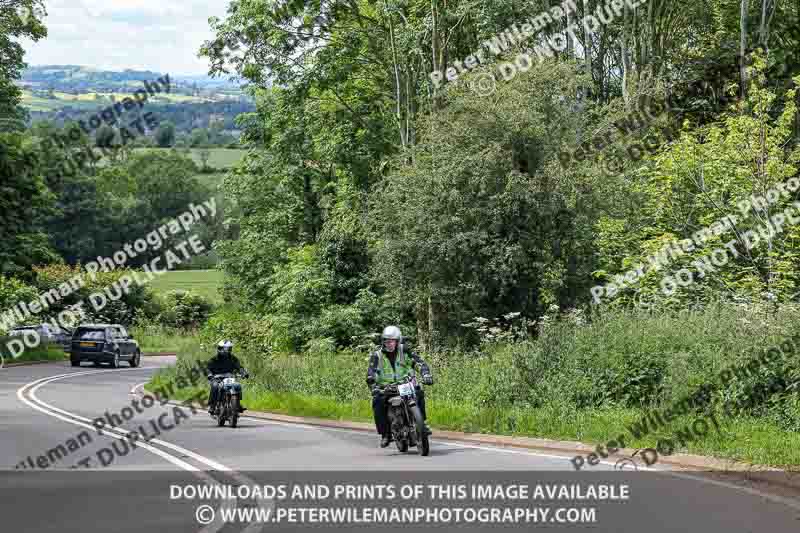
{"points": [[405, 417], [231, 396]]}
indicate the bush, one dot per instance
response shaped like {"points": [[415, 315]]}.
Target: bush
{"points": [[184, 309], [637, 359], [137, 302], [13, 291]]}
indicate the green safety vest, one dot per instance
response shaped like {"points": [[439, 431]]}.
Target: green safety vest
{"points": [[386, 374]]}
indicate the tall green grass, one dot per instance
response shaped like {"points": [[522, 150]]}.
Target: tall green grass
{"points": [[154, 338]]}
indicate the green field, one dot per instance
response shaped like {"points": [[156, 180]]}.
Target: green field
{"points": [[89, 101], [204, 282], [211, 181], [222, 158]]}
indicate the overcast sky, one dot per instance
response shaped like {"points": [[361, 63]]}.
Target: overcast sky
{"points": [[159, 35]]}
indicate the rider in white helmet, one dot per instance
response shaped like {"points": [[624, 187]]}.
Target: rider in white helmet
{"points": [[389, 364]]}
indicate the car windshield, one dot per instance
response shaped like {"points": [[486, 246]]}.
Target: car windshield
{"points": [[91, 334]]}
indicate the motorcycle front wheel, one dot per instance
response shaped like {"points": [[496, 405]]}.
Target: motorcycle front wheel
{"points": [[223, 408], [234, 411], [423, 444], [402, 445]]}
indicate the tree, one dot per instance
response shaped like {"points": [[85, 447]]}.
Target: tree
{"points": [[18, 19], [104, 138], [199, 138], [165, 135], [24, 201], [204, 153], [482, 223], [704, 176]]}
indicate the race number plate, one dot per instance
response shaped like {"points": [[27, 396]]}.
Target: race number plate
{"points": [[88, 345], [405, 389], [228, 381]]}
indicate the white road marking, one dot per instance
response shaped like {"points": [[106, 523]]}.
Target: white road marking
{"points": [[52, 412], [121, 435]]}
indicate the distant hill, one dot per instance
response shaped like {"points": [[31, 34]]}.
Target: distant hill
{"points": [[75, 79], [57, 93]]}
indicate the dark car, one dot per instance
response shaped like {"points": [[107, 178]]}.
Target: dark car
{"points": [[104, 343], [46, 332]]}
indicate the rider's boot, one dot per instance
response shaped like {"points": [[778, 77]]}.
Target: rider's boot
{"points": [[427, 428], [385, 440]]}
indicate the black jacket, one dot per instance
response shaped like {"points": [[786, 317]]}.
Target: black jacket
{"points": [[224, 365]]}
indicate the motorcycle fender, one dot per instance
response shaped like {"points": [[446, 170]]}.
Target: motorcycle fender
{"points": [[396, 401]]}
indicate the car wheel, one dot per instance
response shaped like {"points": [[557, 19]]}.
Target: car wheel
{"points": [[135, 360], [115, 361]]}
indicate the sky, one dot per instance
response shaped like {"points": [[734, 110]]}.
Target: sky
{"points": [[158, 35]]}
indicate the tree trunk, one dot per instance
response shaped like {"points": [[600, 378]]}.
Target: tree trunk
{"points": [[744, 6], [570, 44], [398, 87], [625, 52], [435, 47], [431, 322], [767, 10], [422, 322], [587, 40]]}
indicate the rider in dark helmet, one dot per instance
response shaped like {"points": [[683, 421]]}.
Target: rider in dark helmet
{"points": [[223, 363], [389, 364]]}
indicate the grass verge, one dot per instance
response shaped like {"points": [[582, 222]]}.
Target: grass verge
{"points": [[153, 338], [43, 352]]}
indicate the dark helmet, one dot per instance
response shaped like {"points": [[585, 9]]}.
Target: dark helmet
{"points": [[225, 348], [391, 333]]}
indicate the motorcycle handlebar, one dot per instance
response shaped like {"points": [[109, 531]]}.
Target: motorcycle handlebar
{"points": [[229, 375], [393, 386]]}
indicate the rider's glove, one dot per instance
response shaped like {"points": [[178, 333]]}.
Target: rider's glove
{"points": [[375, 391], [427, 379]]}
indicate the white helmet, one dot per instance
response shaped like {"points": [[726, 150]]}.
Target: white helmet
{"points": [[391, 333]]}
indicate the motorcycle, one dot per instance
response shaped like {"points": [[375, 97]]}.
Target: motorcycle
{"points": [[231, 396], [405, 416]]}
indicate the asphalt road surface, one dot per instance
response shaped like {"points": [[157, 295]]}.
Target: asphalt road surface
{"points": [[58, 473]]}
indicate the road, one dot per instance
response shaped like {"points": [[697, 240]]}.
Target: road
{"points": [[121, 484]]}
